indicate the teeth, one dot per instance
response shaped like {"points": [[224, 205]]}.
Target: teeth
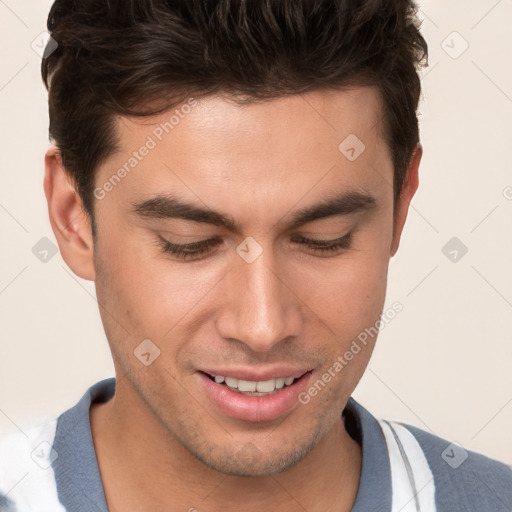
{"points": [[231, 382], [249, 386], [246, 385], [265, 386]]}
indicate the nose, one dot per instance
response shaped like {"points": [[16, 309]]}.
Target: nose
{"points": [[260, 308]]}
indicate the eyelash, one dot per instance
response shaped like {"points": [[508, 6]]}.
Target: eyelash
{"points": [[327, 246], [187, 251], [197, 249]]}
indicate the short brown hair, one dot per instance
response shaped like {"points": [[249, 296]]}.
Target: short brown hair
{"points": [[140, 58]]}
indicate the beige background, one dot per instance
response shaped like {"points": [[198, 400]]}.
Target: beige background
{"points": [[443, 364]]}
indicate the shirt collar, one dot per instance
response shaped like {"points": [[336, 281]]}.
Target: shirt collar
{"points": [[78, 478]]}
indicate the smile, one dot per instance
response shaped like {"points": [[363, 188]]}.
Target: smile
{"points": [[259, 400], [254, 388]]}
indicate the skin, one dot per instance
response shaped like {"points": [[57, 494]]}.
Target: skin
{"points": [[259, 164]]}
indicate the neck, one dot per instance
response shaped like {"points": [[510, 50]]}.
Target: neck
{"points": [[157, 471]]}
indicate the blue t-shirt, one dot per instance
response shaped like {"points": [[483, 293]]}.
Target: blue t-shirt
{"points": [[52, 467]]}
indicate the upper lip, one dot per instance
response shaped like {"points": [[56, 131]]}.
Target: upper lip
{"points": [[257, 375]]}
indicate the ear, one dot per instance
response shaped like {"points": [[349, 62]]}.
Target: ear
{"points": [[70, 223], [408, 190]]}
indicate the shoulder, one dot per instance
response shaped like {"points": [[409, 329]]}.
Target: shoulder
{"points": [[462, 479], [41, 464], [26, 474]]}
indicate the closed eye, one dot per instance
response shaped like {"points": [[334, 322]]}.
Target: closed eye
{"points": [[326, 246], [190, 250], [195, 250]]}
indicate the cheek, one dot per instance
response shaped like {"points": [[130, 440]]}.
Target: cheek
{"points": [[361, 288], [347, 293], [149, 294]]}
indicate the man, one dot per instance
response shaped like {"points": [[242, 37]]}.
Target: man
{"points": [[234, 177]]}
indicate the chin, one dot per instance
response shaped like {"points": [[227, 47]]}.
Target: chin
{"points": [[253, 461]]}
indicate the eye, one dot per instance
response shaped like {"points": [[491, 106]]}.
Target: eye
{"points": [[192, 250], [195, 250], [325, 247]]}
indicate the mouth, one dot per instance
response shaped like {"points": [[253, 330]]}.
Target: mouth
{"points": [[254, 388], [254, 400]]}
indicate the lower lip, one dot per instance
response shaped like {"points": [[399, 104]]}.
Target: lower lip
{"points": [[254, 408]]}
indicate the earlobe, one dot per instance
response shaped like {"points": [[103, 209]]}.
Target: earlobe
{"points": [[69, 222], [408, 190]]}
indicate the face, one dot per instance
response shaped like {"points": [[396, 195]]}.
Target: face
{"points": [[244, 244]]}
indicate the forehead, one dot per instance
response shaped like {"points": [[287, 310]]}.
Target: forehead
{"points": [[221, 116], [266, 150]]}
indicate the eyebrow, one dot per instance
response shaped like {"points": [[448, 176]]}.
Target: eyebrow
{"points": [[169, 206]]}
